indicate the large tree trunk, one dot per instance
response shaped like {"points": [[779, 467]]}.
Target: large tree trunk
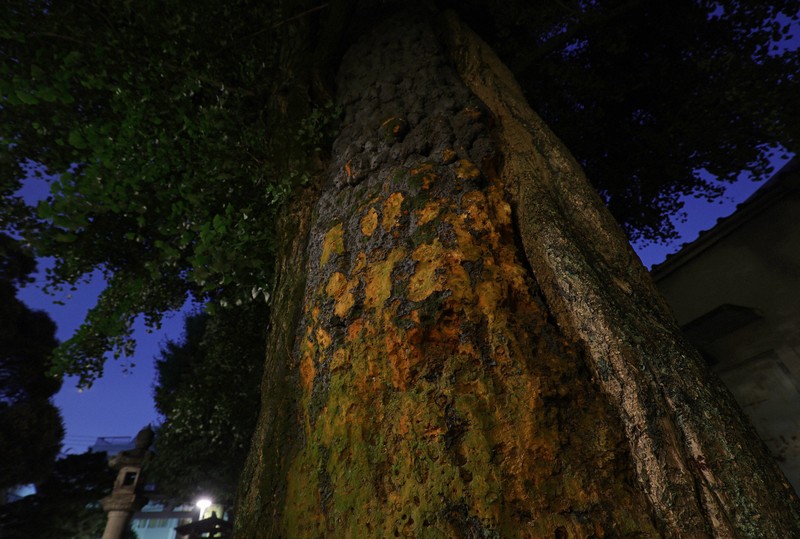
{"points": [[464, 345]]}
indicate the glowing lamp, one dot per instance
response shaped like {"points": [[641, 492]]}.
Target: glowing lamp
{"points": [[203, 504]]}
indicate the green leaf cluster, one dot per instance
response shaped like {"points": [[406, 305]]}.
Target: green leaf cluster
{"points": [[158, 120]]}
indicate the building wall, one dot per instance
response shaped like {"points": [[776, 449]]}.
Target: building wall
{"points": [[736, 292]]}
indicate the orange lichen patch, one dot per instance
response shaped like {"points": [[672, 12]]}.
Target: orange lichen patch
{"points": [[344, 304], [333, 243], [467, 349], [315, 311], [421, 170], [428, 213], [415, 419], [475, 197], [514, 274], [341, 290], [427, 180], [473, 204], [427, 278], [469, 247], [501, 353], [360, 264], [394, 128], [434, 430], [445, 333], [501, 209], [458, 281], [323, 338], [401, 351], [367, 357], [341, 360], [354, 330], [307, 372], [378, 281], [467, 170], [489, 292], [369, 222], [424, 174], [391, 211], [336, 285], [477, 218], [348, 170], [473, 112], [405, 422], [448, 156]]}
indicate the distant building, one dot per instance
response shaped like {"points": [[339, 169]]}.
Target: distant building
{"points": [[112, 445], [736, 293], [158, 520]]}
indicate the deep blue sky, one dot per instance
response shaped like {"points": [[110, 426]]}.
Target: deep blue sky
{"points": [[121, 402]]}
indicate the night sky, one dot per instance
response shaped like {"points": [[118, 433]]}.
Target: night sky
{"points": [[121, 402]]}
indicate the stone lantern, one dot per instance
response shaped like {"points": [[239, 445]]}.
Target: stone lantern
{"points": [[126, 497]]}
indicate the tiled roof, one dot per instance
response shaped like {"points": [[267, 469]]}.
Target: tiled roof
{"points": [[784, 181]]}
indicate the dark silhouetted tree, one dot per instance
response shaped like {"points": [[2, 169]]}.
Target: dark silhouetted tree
{"points": [[206, 395], [30, 423]]}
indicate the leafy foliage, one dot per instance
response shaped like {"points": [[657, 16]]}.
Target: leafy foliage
{"points": [[66, 504], [159, 122], [31, 425], [177, 129], [208, 393]]}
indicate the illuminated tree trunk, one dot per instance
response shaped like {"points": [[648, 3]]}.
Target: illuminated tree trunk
{"points": [[464, 345]]}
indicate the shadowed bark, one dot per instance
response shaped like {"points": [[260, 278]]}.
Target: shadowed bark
{"points": [[464, 345]]}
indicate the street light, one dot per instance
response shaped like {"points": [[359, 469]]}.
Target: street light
{"points": [[203, 504]]}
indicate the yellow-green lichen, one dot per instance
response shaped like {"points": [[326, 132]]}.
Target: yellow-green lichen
{"points": [[427, 277], [369, 222], [332, 243], [466, 170], [378, 285], [391, 211]]}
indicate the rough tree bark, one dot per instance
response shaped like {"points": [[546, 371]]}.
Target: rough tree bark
{"points": [[464, 345]]}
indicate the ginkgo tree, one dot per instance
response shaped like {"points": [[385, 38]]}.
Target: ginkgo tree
{"points": [[461, 340]]}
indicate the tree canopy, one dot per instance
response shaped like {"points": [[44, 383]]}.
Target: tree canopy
{"points": [[30, 423], [177, 130], [647, 94], [207, 393]]}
